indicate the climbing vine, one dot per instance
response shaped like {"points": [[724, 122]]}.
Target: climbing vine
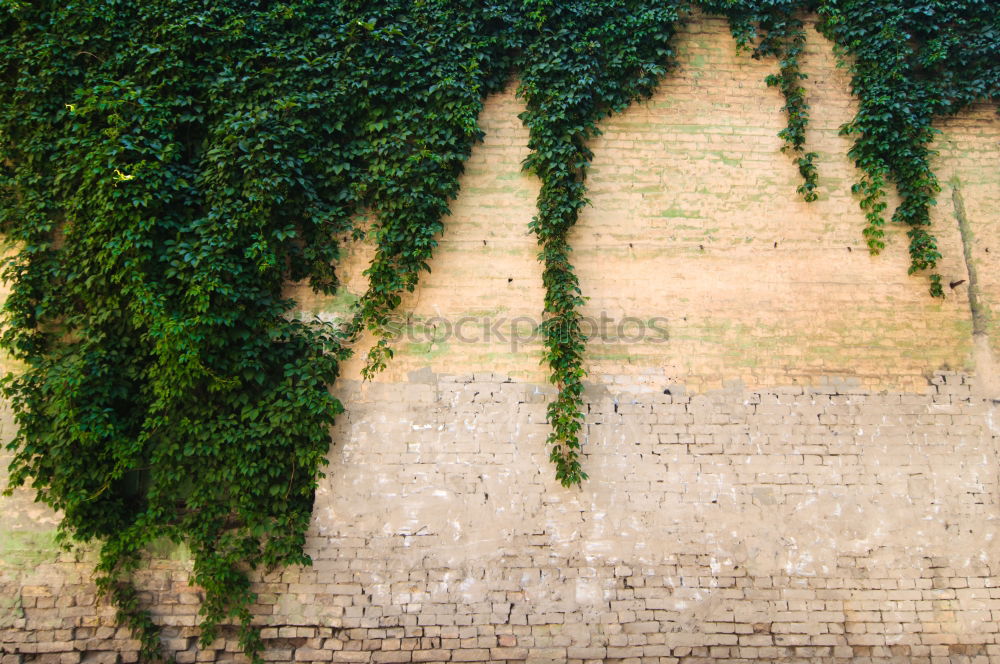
{"points": [[420, 79], [166, 168], [775, 29], [584, 61], [911, 62]]}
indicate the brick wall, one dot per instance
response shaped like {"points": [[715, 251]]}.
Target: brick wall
{"points": [[796, 462]]}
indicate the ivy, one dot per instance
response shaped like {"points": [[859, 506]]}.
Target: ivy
{"points": [[420, 80], [163, 180], [775, 29], [167, 168], [585, 60], [911, 62]]}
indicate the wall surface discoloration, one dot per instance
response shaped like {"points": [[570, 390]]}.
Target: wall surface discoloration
{"points": [[802, 467]]}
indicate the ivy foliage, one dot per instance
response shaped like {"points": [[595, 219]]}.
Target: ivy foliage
{"points": [[911, 62], [775, 29], [583, 61], [417, 86], [166, 168]]}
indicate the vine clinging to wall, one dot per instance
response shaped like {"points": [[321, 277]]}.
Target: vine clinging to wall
{"points": [[166, 167], [911, 62], [584, 61], [776, 29]]}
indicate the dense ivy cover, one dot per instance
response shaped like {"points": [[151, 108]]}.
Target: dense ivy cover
{"points": [[912, 61], [166, 167]]}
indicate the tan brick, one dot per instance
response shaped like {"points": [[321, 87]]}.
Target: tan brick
{"points": [[431, 655], [470, 655]]}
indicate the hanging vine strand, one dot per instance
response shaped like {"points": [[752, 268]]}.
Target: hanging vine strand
{"points": [[585, 61]]}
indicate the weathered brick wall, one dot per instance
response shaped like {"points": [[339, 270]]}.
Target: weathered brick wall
{"points": [[803, 470]]}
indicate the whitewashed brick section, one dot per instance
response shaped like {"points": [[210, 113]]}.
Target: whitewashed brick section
{"points": [[801, 524]]}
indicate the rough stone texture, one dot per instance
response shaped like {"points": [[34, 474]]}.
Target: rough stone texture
{"points": [[805, 471]]}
